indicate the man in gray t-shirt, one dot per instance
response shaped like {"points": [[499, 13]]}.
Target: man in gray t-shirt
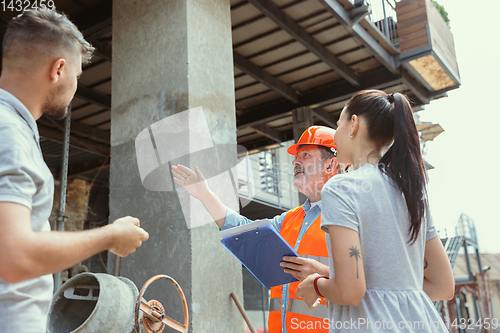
{"points": [[41, 61]]}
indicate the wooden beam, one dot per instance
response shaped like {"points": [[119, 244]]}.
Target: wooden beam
{"points": [[93, 97], [325, 117], [285, 22], [88, 167], [268, 132], [390, 62], [265, 77], [103, 50], [95, 21], [331, 93], [82, 130], [87, 145], [419, 91], [262, 142]]}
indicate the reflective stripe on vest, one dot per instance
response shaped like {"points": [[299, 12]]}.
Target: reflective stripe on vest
{"points": [[323, 260], [300, 307], [311, 246], [275, 304]]}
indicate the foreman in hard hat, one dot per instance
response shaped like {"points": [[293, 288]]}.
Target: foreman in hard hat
{"points": [[314, 165], [311, 174]]}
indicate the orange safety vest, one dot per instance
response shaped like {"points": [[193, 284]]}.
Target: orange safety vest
{"points": [[299, 317]]}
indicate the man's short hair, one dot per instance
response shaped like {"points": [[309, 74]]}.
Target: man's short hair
{"points": [[39, 32], [326, 153]]}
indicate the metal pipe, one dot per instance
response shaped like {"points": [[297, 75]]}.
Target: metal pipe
{"points": [[386, 26], [63, 186], [117, 266], [467, 259], [262, 289], [243, 313]]}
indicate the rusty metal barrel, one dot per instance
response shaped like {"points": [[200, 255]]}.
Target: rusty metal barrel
{"points": [[93, 302]]}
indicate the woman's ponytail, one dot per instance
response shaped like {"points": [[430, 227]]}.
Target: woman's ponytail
{"points": [[404, 164], [390, 119]]}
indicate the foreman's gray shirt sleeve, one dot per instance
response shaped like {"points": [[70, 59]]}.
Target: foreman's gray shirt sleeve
{"points": [[233, 219]]}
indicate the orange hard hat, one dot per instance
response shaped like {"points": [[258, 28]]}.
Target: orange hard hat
{"points": [[315, 135]]}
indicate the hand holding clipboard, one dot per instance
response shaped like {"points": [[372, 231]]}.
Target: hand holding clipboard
{"points": [[260, 248]]}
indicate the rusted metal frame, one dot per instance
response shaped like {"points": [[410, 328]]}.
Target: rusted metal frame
{"points": [[265, 77], [300, 34], [337, 10]]}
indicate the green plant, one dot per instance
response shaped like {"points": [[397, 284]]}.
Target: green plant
{"points": [[442, 11]]}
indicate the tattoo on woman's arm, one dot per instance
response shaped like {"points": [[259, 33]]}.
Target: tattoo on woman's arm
{"points": [[354, 252], [425, 263]]}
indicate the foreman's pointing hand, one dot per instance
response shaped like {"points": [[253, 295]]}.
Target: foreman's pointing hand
{"points": [[193, 181]]}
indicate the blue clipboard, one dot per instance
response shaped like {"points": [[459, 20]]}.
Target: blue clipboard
{"points": [[260, 248]]}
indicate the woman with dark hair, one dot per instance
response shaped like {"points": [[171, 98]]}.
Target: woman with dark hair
{"points": [[387, 264]]}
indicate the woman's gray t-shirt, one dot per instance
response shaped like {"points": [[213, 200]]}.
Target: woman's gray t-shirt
{"points": [[370, 203]]}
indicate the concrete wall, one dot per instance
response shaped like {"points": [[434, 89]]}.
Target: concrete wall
{"points": [[168, 57]]}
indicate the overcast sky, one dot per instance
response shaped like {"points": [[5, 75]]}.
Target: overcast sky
{"points": [[466, 156]]}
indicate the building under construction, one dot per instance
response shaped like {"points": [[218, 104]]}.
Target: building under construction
{"points": [[263, 71]]}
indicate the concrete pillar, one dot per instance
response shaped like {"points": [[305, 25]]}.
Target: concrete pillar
{"points": [[302, 119], [168, 57]]}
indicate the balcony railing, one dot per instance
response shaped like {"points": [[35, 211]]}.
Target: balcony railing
{"points": [[383, 15]]}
